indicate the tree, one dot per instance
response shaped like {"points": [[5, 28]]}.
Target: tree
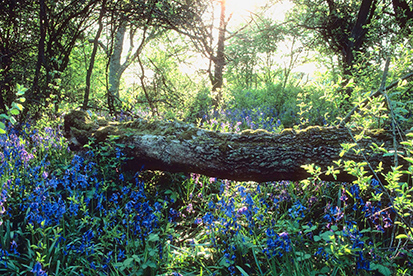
{"points": [[351, 29], [146, 19], [201, 31], [249, 155], [403, 12], [251, 53], [93, 55], [36, 40], [60, 26], [17, 29], [219, 60]]}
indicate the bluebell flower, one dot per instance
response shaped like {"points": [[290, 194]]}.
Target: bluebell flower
{"points": [[121, 255], [173, 214], [37, 270], [277, 244], [208, 218], [297, 211], [3, 256]]}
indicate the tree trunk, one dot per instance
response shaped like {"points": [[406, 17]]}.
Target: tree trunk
{"points": [[250, 155], [41, 60], [93, 56], [358, 33], [115, 66], [218, 79], [403, 13]]}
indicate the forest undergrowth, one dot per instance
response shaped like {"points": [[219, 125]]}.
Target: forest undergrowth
{"points": [[68, 214], [84, 212]]}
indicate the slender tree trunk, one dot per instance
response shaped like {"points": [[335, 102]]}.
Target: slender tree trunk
{"points": [[116, 68], [92, 58], [115, 65], [41, 60], [220, 57], [358, 33]]}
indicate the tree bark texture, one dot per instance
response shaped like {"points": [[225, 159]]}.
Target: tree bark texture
{"points": [[115, 62], [247, 156]]}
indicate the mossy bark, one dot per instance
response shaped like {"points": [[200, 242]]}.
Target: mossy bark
{"points": [[257, 155]]}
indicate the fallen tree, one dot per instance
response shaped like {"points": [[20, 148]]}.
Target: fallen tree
{"points": [[250, 155]]}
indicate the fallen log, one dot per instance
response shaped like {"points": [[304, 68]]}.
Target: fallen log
{"points": [[247, 156]]}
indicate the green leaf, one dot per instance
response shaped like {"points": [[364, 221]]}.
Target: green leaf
{"points": [[224, 262], [408, 159], [327, 236], [153, 237], [149, 264], [128, 262], [21, 92], [401, 236], [242, 270], [381, 268], [19, 107], [2, 131], [14, 111], [325, 269], [136, 258]]}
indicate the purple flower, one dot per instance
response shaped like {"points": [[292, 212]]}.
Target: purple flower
{"points": [[45, 174], [189, 208], [37, 270], [242, 210]]}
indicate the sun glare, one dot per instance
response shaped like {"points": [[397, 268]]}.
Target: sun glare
{"points": [[242, 9]]}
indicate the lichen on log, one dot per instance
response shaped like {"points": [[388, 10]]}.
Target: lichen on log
{"points": [[247, 156]]}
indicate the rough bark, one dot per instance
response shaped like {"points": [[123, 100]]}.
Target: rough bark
{"points": [[115, 62], [250, 155], [220, 56]]}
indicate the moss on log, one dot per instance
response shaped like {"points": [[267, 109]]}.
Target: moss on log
{"points": [[250, 155]]}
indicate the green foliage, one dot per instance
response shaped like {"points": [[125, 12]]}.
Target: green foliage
{"points": [[85, 215], [15, 109], [72, 86]]}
